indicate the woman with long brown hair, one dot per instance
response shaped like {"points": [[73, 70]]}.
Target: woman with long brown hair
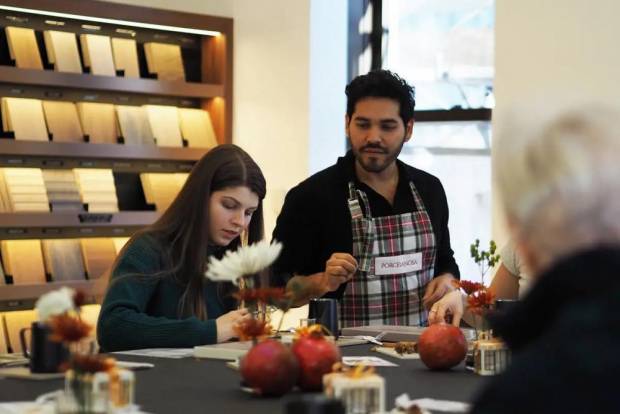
{"points": [[158, 295]]}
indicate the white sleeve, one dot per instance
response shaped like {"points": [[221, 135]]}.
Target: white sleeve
{"points": [[514, 264]]}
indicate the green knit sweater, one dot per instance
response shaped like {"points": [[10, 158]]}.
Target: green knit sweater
{"points": [[141, 311]]}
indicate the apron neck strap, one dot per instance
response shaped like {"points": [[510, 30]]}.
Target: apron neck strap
{"points": [[417, 199]]}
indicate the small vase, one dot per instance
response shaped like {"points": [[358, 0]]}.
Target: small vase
{"points": [[84, 393], [483, 332], [491, 357], [482, 326], [258, 309]]}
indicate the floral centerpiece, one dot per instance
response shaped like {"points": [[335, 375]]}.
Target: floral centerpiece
{"points": [[490, 355], [269, 368], [91, 380], [247, 268], [479, 298]]}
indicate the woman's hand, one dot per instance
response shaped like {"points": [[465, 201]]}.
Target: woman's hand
{"points": [[226, 322], [450, 304]]}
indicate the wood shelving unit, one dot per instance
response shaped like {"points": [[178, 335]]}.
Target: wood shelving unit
{"points": [[19, 297], [74, 224], [213, 92], [88, 82], [119, 157]]}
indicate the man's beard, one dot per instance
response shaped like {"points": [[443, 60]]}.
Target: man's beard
{"points": [[374, 164]]}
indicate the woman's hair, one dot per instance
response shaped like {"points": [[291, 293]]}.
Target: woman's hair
{"points": [[183, 229], [558, 176]]}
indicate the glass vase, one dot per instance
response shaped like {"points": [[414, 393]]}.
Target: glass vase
{"points": [[482, 326], [85, 393], [257, 308]]}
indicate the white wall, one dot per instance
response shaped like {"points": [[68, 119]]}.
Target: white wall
{"points": [[562, 51], [271, 75], [328, 78]]}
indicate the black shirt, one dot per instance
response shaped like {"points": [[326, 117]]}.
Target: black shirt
{"points": [[315, 220], [564, 336]]}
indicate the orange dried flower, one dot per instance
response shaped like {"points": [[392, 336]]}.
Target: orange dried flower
{"points": [[68, 328], [469, 287], [264, 295], [252, 329], [480, 301], [79, 298], [92, 363], [316, 330]]}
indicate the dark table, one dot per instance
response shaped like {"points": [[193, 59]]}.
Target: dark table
{"points": [[180, 386]]}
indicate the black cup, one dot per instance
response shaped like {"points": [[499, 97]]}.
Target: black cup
{"points": [[45, 355], [325, 312], [503, 305], [313, 404]]}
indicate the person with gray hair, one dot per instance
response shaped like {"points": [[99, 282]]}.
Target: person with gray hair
{"points": [[558, 181]]}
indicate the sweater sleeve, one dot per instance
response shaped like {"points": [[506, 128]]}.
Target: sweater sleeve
{"points": [[124, 322]]}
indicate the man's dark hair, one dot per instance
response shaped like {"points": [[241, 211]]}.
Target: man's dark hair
{"points": [[382, 84]]}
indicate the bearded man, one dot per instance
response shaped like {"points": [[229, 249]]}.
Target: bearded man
{"points": [[370, 230]]}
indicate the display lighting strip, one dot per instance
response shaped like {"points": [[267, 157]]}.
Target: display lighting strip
{"points": [[113, 21]]}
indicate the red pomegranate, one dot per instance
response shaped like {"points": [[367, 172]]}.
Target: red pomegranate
{"points": [[270, 368], [316, 356], [442, 346]]}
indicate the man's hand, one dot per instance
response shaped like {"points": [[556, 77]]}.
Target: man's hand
{"points": [[339, 269], [450, 304], [437, 288]]}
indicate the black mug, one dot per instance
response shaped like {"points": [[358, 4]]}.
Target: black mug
{"points": [[313, 404], [45, 355], [325, 312], [504, 305]]}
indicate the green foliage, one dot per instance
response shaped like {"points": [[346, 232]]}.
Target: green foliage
{"points": [[485, 259]]}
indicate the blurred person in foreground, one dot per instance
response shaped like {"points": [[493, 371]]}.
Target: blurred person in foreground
{"points": [[559, 182]]}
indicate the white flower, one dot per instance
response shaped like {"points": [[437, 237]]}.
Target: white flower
{"points": [[54, 303], [244, 261]]}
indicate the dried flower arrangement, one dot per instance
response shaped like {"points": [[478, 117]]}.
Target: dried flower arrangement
{"points": [[60, 310]]}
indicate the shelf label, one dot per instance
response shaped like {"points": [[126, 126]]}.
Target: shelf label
{"points": [[95, 218]]}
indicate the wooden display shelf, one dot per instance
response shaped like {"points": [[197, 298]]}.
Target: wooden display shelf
{"points": [[119, 157], [22, 297], [87, 82], [74, 224]]}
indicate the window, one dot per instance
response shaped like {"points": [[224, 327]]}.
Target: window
{"points": [[445, 49]]}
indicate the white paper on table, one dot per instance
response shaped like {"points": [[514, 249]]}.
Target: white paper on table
{"points": [[133, 365], [173, 353], [404, 402], [369, 361], [21, 407], [26, 407]]}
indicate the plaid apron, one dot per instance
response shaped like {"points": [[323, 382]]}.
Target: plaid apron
{"points": [[396, 260]]}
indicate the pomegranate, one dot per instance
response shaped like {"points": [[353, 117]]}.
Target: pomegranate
{"points": [[442, 346], [316, 356], [270, 368]]}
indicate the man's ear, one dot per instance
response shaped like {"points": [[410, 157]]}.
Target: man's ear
{"points": [[409, 130], [346, 124]]}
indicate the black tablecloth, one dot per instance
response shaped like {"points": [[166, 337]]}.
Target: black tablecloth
{"points": [[198, 386]]}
